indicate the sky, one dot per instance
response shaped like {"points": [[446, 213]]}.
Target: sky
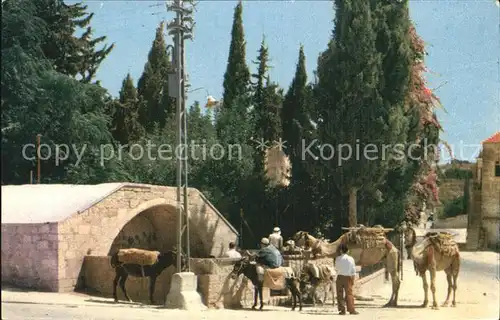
{"points": [[462, 39]]}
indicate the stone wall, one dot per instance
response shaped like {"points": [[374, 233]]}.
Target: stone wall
{"points": [[457, 222], [490, 194], [100, 229], [29, 255], [217, 289]]}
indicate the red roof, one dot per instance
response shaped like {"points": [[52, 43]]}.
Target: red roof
{"points": [[493, 139]]}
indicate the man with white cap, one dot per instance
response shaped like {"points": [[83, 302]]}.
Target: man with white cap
{"points": [[268, 255], [276, 239]]}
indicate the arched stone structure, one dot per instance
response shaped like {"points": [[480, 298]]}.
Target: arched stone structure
{"points": [[58, 244]]}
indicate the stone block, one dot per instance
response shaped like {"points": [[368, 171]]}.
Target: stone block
{"points": [[134, 203], [26, 239], [84, 229], [183, 294], [44, 229], [42, 245], [52, 237]]}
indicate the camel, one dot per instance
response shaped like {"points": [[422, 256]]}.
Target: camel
{"points": [[438, 251], [364, 248]]}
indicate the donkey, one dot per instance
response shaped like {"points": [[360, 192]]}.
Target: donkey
{"points": [[122, 271], [248, 268], [318, 276]]}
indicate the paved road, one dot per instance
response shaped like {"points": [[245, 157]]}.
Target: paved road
{"points": [[477, 298]]}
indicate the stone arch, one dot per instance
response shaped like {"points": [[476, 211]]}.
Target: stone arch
{"points": [[152, 225], [125, 218]]}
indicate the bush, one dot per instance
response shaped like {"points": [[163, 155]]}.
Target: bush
{"points": [[453, 208], [457, 173]]}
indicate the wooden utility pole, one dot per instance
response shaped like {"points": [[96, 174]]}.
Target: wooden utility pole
{"points": [[38, 136]]}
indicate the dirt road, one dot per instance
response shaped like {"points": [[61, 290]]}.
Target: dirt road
{"points": [[477, 298]]}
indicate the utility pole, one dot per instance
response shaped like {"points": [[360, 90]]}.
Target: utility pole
{"points": [[38, 136], [181, 28]]}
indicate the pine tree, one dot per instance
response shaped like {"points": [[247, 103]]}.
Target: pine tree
{"points": [[76, 56], [237, 75], [156, 105], [124, 123]]}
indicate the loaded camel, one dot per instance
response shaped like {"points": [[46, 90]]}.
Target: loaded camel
{"points": [[274, 279], [368, 246], [141, 263], [438, 251]]}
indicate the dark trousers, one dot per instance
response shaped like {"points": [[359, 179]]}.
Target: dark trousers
{"points": [[344, 286]]}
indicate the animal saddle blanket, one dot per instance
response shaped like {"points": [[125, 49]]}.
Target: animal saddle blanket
{"points": [[443, 242], [366, 238], [138, 256], [275, 279]]}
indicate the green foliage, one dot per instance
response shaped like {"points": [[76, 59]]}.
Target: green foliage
{"points": [[125, 126], [38, 99], [75, 56], [155, 104], [362, 85], [296, 122], [361, 94], [237, 76], [453, 208]]}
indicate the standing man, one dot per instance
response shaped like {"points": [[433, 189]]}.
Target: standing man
{"points": [[346, 271], [232, 253], [276, 239]]}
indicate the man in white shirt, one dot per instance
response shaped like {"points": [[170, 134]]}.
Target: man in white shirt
{"points": [[346, 271], [276, 239], [232, 253]]}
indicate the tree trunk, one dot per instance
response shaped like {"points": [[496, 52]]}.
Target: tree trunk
{"points": [[353, 210]]}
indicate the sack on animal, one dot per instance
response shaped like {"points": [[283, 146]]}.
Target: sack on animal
{"points": [[275, 279], [138, 256], [367, 238], [327, 272], [443, 242]]}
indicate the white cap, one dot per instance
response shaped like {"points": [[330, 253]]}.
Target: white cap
{"points": [[264, 241], [276, 229]]}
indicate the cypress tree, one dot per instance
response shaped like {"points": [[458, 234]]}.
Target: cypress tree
{"points": [[237, 75], [156, 106], [125, 124], [267, 99], [353, 111], [294, 116], [261, 76], [272, 100], [296, 124], [392, 25]]}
